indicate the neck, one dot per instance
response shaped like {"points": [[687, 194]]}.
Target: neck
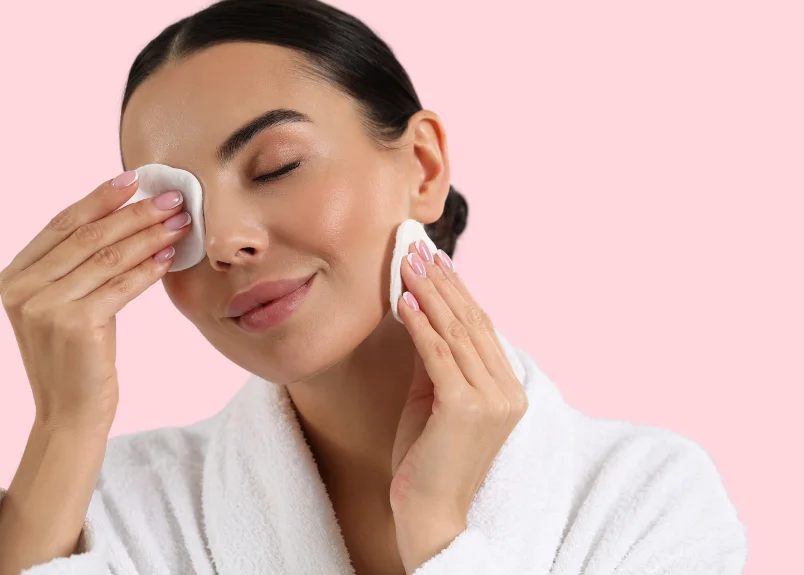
{"points": [[350, 412]]}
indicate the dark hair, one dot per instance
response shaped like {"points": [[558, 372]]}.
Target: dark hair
{"points": [[338, 48]]}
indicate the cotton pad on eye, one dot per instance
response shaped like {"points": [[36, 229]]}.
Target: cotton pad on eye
{"points": [[155, 179], [408, 232]]}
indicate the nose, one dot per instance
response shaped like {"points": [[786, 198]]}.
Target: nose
{"points": [[233, 236]]}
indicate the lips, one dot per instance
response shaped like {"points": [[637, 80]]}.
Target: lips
{"points": [[262, 293]]}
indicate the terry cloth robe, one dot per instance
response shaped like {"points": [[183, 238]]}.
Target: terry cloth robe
{"points": [[239, 494]]}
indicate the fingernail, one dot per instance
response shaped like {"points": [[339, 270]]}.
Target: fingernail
{"points": [[410, 300], [125, 179], [424, 251], [168, 200], [417, 264], [446, 259], [177, 222], [165, 254]]}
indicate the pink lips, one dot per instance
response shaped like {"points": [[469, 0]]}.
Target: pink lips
{"points": [[261, 293]]}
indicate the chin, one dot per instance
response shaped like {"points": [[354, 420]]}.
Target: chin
{"points": [[309, 343]]}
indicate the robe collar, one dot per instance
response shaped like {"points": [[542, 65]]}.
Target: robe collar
{"points": [[266, 509]]}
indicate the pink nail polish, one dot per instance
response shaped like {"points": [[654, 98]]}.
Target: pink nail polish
{"points": [[168, 200], [417, 264], [446, 259], [177, 222], [410, 300], [125, 179], [424, 251], [165, 254]]}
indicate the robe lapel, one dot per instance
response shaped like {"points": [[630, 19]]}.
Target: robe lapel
{"points": [[265, 506], [523, 502], [266, 509]]}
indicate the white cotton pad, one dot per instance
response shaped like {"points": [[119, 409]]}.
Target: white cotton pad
{"points": [[408, 232], [155, 179]]}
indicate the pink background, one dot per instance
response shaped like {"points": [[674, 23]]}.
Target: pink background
{"points": [[635, 174]]}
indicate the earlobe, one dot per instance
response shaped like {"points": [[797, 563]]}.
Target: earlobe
{"points": [[431, 175]]}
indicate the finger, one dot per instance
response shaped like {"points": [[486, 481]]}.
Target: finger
{"points": [[470, 314], [444, 322], [98, 203], [112, 296], [504, 373], [117, 259], [447, 266], [90, 238], [435, 354]]}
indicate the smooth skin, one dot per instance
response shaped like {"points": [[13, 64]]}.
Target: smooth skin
{"points": [[403, 420], [61, 293]]}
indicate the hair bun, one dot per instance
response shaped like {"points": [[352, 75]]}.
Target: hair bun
{"points": [[446, 230]]}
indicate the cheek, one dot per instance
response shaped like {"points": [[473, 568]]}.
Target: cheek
{"points": [[358, 217], [356, 207]]}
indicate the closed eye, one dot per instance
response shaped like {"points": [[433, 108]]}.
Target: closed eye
{"points": [[279, 173]]}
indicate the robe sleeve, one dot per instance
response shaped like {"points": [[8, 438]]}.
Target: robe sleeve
{"points": [[88, 558], [678, 521], [470, 553]]}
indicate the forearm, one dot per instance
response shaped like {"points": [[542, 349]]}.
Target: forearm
{"points": [[43, 512]]}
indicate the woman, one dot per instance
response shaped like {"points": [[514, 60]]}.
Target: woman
{"points": [[360, 445]]}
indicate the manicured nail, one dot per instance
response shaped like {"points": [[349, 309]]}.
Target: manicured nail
{"points": [[177, 222], [165, 254], [125, 179], [424, 251], [168, 200], [446, 259], [410, 300], [417, 264]]}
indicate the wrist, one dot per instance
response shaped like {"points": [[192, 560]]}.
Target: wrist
{"points": [[422, 536], [73, 447], [49, 496], [88, 425]]}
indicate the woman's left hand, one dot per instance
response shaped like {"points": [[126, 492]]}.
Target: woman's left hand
{"points": [[464, 402]]}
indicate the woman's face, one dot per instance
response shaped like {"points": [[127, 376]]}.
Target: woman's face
{"points": [[333, 216]]}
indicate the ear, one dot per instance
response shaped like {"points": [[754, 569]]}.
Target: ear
{"points": [[430, 177]]}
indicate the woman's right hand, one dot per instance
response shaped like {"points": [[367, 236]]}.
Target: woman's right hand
{"points": [[62, 291]]}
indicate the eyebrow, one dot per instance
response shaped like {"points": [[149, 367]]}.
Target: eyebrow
{"points": [[266, 121]]}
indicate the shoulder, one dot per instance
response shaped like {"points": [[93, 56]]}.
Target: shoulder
{"points": [[659, 494], [157, 448], [603, 446], [155, 473], [610, 450], [149, 493], [644, 458], [643, 488]]}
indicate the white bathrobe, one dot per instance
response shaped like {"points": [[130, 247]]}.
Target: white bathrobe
{"points": [[239, 494]]}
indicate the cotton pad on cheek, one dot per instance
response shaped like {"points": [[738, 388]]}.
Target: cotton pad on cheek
{"points": [[155, 179], [408, 232]]}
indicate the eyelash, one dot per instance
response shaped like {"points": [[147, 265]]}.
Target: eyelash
{"points": [[277, 174]]}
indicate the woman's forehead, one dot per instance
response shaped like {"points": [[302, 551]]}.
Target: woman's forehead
{"points": [[197, 103]]}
